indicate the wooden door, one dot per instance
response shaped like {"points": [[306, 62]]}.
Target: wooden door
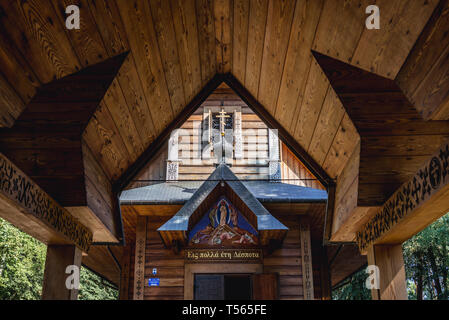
{"points": [[265, 286], [209, 287]]}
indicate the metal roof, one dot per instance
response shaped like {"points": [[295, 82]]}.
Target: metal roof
{"points": [[180, 192], [180, 221]]}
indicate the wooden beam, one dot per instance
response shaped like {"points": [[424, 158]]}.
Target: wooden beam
{"points": [[423, 77], [125, 272], [31, 209], [325, 275], [416, 204], [389, 260], [160, 141], [329, 217], [59, 257]]}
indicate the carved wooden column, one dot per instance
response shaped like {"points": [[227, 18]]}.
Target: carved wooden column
{"points": [[306, 256], [59, 257], [139, 262], [389, 260]]}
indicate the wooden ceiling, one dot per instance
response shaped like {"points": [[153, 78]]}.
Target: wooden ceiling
{"points": [[395, 139], [177, 46]]}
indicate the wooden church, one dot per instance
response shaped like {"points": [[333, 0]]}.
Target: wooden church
{"points": [[224, 201], [224, 149]]}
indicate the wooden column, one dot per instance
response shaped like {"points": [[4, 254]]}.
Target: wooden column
{"points": [[124, 277], [325, 276], [59, 257], [139, 262], [306, 256], [389, 260]]}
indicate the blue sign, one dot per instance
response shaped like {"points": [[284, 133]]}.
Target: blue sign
{"points": [[153, 282]]}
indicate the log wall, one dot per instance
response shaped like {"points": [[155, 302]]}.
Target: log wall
{"points": [[285, 261]]}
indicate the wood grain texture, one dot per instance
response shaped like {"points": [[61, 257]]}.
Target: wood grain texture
{"points": [[186, 28], [331, 116], [384, 52], [340, 27], [421, 75], [206, 38], [178, 46], [168, 50], [86, 41], [136, 102], [11, 104], [110, 26], [390, 261], [256, 37], [240, 38], [139, 256], [223, 20], [279, 23], [309, 110], [36, 31], [298, 61], [382, 115], [142, 38]]}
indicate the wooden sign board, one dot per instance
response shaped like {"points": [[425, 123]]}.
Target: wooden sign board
{"points": [[25, 195], [223, 255], [431, 178]]}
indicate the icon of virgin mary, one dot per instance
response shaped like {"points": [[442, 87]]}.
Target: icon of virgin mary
{"points": [[223, 228]]}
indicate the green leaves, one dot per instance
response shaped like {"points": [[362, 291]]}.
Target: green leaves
{"points": [[22, 262], [426, 259]]}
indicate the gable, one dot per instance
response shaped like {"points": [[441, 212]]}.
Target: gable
{"points": [[222, 182], [223, 225]]}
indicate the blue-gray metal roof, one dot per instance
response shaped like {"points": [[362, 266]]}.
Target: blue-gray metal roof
{"points": [[180, 221], [181, 191]]}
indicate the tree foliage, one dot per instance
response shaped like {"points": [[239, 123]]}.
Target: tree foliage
{"points": [[426, 258], [22, 262], [353, 288], [93, 287]]}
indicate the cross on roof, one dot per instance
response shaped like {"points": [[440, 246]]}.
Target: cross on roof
{"points": [[222, 116]]}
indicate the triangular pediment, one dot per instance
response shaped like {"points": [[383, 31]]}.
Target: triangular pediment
{"points": [[222, 182], [223, 225]]}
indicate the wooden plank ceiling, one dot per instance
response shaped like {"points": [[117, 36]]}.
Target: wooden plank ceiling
{"points": [[395, 140], [177, 46]]}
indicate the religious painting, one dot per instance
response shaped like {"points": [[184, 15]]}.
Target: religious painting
{"points": [[223, 226]]}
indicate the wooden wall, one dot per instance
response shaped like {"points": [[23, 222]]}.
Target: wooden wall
{"points": [[182, 44], [154, 171], [254, 164], [294, 172], [170, 267], [286, 261]]}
